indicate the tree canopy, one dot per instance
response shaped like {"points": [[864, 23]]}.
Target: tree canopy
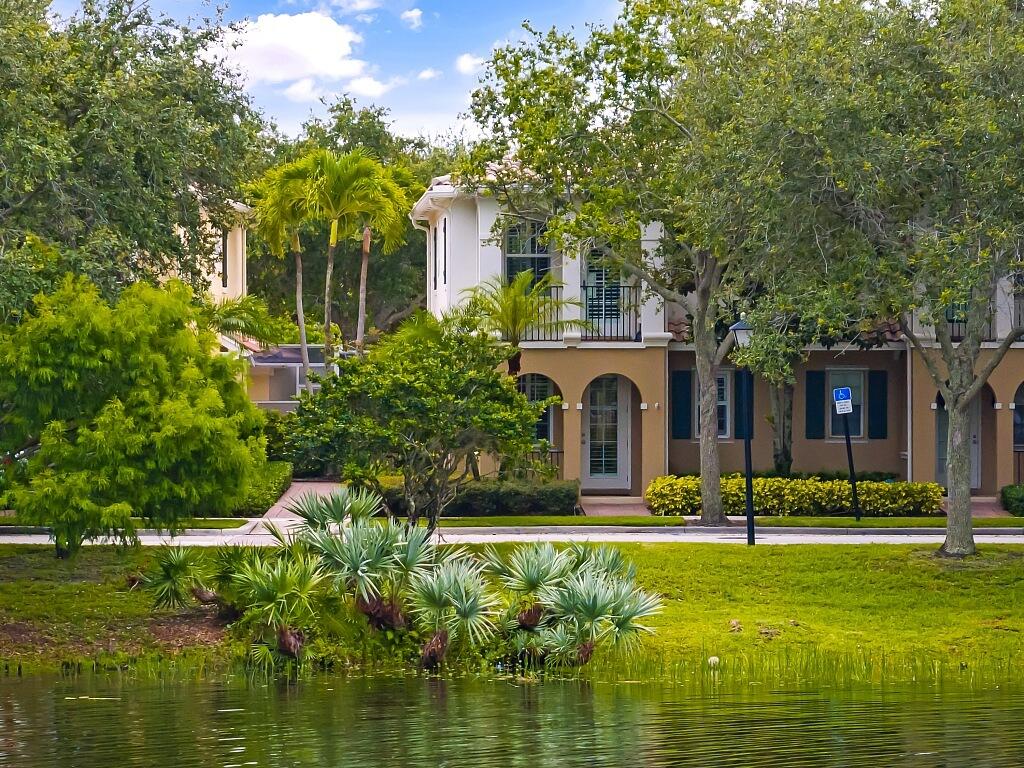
{"points": [[119, 132]]}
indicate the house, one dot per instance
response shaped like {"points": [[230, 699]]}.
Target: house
{"points": [[628, 383], [275, 376]]}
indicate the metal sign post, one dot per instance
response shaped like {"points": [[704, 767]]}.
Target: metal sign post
{"points": [[843, 398]]}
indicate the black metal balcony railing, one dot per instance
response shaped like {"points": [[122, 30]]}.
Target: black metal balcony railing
{"points": [[552, 457], [612, 312], [958, 329], [547, 329]]}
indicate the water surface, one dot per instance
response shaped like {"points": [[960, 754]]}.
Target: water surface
{"points": [[411, 721]]}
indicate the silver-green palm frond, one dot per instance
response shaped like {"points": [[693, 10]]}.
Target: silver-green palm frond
{"points": [[311, 509], [561, 643], [178, 570], [495, 561], [454, 596], [632, 605], [282, 592], [414, 552], [584, 600], [359, 557], [319, 512], [607, 561], [533, 567]]}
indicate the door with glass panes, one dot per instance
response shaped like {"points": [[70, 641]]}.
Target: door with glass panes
{"points": [[606, 445]]}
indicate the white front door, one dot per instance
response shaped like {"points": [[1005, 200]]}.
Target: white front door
{"points": [[942, 445], [606, 428]]}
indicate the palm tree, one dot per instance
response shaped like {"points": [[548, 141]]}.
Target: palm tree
{"points": [[244, 316], [280, 211], [355, 194], [511, 309]]}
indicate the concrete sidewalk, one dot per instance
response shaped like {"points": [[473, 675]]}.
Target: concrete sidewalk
{"points": [[257, 536]]}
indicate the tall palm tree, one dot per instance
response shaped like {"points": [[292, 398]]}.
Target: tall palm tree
{"points": [[511, 309], [354, 193], [280, 207], [244, 316]]}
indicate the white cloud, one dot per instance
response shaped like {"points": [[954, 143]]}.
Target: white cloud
{"points": [[284, 48], [304, 90], [371, 87], [413, 18], [469, 64], [428, 74], [355, 6]]}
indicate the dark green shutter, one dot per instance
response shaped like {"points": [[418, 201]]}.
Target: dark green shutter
{"points": [[814, 405], [878, 405], [682, 405], [740, 405]]}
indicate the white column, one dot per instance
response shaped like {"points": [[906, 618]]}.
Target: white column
{"points": [[489, 250], [652, 312], [572, 278]]}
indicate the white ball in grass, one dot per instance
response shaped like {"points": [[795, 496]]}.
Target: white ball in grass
{"points": [[713, 662]]}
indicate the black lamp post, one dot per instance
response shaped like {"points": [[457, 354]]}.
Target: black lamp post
{"points": [[742, 332]]}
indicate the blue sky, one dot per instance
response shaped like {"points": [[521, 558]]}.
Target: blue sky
{"points": [[419, 58]]}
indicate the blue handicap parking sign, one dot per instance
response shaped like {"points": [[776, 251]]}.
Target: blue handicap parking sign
{"points": [[841, 393]]}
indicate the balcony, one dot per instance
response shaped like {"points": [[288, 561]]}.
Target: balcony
{"points": [[611, 310], [547, 329], [957, 324]]}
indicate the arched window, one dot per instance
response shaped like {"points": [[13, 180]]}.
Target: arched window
{"points": [[538, 387], [1018, 419]]}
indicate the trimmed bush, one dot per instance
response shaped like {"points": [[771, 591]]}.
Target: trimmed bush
{"points": [[268, 483], [488, 498], [1012, 497], [777, 496]]}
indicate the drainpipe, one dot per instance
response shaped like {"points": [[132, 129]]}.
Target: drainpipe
{"points": [[910, 412]]}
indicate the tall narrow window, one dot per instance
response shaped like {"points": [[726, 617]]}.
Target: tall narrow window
{"points": [[838, 377], [723, 396], [525, 250], [444, 273], [435, 256], [538, 387], [223, 258]]}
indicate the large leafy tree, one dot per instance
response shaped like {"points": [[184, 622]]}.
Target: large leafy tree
{"points": [[902, 122], [118, 134], [638, 126], [422, 402], [125, 410]]}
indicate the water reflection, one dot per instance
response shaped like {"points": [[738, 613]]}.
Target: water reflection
{"points": [[336, 721]]}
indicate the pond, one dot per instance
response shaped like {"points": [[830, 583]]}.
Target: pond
{"points": [[413, 721]]}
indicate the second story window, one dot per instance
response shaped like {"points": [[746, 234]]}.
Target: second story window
{"points": [[524, 250]]}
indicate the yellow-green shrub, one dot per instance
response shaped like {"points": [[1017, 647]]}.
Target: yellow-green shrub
{"points": [[777, 496]]}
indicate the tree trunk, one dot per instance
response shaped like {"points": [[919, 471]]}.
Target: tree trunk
{"points": [[706, 347], [300, 317], [959, 530], [363, 269], [515, 363], [781, 396], [329, 292]]}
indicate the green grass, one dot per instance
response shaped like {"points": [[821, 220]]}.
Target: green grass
{"points": [[523, 521], [195, 523], [528, 521], [799, 609], [883, 522], [874, 604]]}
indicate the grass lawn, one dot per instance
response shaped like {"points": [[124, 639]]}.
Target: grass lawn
{"points": [[527, 521], [195, 523], [790, 606], [859, 603]]}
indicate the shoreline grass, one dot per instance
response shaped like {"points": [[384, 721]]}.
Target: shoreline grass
{"points": [[855, 613]]}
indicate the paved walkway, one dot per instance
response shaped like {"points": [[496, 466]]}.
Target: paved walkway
{"points": [[255, 534], [613, 506], [296, 489]]}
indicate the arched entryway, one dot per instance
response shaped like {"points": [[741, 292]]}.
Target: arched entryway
{"points": [[982, 428], [1018, 435], [549, 428], [610, 437]]}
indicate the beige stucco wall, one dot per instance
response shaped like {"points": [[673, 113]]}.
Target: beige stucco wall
{"points": [[808, 455], [258, 383], [572, 369], [996, 435]]}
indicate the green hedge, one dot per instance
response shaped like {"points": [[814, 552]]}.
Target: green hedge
{"points": [[776, 496], [1012, 497], [487, 498], [267, 486]]}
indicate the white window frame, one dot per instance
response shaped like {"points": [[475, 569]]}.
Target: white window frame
{"points": [[728, 374], [537, 251], [855, 433]]}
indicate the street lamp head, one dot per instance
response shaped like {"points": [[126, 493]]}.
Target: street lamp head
{"points": [[742, 331]]}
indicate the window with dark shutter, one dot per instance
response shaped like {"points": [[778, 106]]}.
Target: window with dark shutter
{"points": [[878, 405], [814, 405], [681, 387]]}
